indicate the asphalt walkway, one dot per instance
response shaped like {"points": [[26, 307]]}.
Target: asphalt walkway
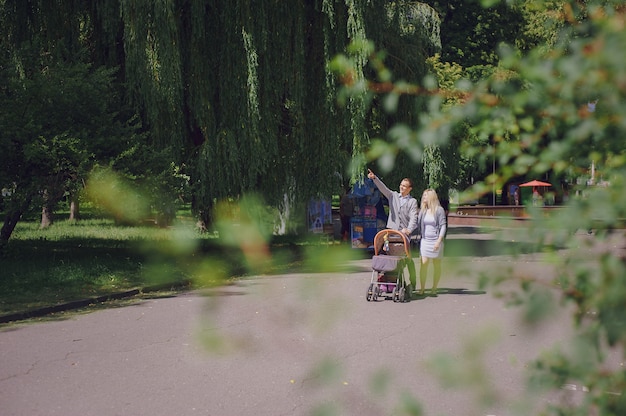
{"points": [[295, 344]]}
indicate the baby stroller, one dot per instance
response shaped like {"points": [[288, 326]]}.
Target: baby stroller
{"points": [[391, 255]]}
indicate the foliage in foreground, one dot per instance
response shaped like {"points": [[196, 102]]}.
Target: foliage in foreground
{"points": [[556, 113]]}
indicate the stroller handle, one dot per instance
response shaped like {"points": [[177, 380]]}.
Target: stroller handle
{"points": [[382, 233]]}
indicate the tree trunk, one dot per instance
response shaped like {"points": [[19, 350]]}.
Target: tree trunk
{"points": [[46, 217], [205, 216], [74, 210], [46, 211], [11, 218], [10, 221]]}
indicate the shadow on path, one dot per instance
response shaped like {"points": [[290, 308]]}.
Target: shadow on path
{"points": [[460, 247], [448, 291]]}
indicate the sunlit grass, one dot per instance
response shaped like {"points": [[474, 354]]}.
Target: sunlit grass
{"points": [[76, 260], [98, 229]]}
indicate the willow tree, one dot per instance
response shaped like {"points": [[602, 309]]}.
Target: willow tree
{"points": [[245, 89], [241, 90]]}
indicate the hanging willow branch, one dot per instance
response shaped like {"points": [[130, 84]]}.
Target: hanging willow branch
{"points": [[241, 89]]}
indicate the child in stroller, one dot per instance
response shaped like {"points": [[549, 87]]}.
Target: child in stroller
{"points": [[392, 253]]}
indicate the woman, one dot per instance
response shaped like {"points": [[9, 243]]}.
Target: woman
{"points": [[433, 225]]}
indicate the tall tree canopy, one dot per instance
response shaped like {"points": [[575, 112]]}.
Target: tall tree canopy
{"points": [[471, 33], [58, 118], [240, 90]]}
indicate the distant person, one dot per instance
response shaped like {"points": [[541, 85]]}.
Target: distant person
{"points": [[346, 211], [376, 199], [381, 215], [402, 212], [433, 226], [537, 198], [513, 192]]}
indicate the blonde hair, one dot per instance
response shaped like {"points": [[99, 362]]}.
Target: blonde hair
{"points": [[430, 201]]}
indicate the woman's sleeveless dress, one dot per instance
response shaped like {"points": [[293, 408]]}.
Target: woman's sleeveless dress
{"points": [[431, 234]]}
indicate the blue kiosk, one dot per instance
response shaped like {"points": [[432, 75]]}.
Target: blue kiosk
{"points": [[370, 214]]}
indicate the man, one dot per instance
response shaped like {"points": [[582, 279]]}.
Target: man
{"points": [[402, 211], [346, 210]]}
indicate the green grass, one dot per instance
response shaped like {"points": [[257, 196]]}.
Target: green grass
{"points": [[72, 261], [76, 260]]}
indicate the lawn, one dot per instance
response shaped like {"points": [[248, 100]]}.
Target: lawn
{"points": [[94, 257], [84, 259]]}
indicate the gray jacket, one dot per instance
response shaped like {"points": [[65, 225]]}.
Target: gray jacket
{"points": [[440, 218], [400, 217]]}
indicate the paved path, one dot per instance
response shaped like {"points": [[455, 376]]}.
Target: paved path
{"points": [[282, 345]]}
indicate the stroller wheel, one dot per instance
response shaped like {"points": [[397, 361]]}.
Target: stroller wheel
{"points": [[370, 292]]}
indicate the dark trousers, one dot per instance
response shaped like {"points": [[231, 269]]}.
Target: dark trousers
{"points": [[415, 252], [410, 264], [345, 227]]}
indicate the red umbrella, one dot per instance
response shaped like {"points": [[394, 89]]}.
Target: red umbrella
{"points": [[536, 183]]}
